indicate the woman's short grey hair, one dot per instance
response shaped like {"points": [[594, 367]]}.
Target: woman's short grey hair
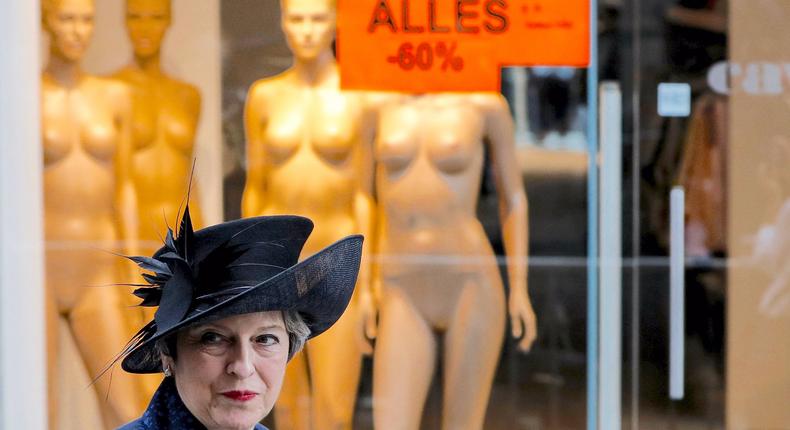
{"points": [[297, 330]]}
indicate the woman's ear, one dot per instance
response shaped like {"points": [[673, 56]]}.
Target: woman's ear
{"points": [[168, 365]]}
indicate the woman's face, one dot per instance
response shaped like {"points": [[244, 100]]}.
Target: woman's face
{"points": [[147, 21], [229, 372], [309, 27], [70, 26]]}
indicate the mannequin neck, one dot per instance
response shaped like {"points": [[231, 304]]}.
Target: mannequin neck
{"points": [[64, 72], [150, 65], [316, 72]]}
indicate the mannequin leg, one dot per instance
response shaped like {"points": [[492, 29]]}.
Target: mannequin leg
{"points": [[101, 328], [52, 358], [403, 365], [79, 406], [292, 410], [472, 345], [335, 363]]}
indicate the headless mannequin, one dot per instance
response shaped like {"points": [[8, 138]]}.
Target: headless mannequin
{"points": [[308, 154], [166, 113], [438, 271], [89, 205]]}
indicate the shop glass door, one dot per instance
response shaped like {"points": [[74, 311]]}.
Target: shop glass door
{"points": [[704, 191]]}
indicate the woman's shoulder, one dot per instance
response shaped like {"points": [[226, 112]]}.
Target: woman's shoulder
{"points": [[134, 425]]}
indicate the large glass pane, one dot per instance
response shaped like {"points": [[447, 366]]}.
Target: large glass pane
{"points": [[674, 42], [728, 57], [133, 91], [545, 388], [148, 105]]}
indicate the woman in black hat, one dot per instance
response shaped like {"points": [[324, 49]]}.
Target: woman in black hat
{"points": [[234, 305]]}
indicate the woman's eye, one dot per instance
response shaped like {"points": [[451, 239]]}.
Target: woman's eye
{"points": [[267, 340], [210, 338]]}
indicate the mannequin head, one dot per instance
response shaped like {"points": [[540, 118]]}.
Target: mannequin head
{"points": [[70, 26], [146, 22], [309, 27]]}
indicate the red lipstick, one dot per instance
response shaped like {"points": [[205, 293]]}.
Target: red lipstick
{"points": [[240, 396]]}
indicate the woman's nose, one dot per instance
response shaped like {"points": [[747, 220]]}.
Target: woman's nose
{"points": [[240, 364]]}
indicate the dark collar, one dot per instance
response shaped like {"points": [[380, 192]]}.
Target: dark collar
{"points": [[167, 412]]}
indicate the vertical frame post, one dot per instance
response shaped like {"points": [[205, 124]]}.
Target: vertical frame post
{"points": [[22, 326], [592, 223]]}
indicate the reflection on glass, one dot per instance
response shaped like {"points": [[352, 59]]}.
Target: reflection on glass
{"points": [[771, 251]]}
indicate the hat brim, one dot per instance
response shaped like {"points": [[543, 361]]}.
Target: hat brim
{"points": [[319, 288]]}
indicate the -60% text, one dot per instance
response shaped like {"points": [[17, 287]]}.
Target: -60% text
{"points": [[425, 55]]}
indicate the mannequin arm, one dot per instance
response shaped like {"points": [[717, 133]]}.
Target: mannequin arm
{"points": [[365, 214], [514, 214], [252, 201], [125, 194], [364, 211], [195, 105]]}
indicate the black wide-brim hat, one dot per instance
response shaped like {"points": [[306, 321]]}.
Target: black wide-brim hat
{"points": [[239, 267]]}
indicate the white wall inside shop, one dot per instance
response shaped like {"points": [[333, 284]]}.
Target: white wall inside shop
{"points": [[22, 345]]}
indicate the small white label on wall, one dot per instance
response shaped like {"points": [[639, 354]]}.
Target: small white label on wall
{"points": [[674, 99]]}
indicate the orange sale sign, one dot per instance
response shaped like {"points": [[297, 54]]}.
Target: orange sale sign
{"points": [[455, 45]]}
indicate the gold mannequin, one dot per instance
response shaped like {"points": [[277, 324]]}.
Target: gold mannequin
{"points": [[308, 153], [166, 114], [89, 205], [437, 269]]}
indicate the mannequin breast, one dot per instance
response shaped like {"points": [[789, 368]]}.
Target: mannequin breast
{"points": [[79, 140], [448, 135], [169, 153], [164, 114], [323, 121], [165, 111], [166, 119], [311, 137], [72, 120]]}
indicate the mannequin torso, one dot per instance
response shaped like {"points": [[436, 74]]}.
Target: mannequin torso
{"points": [[166, 114], [430, 172], [311, 149], [81, 128]]}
